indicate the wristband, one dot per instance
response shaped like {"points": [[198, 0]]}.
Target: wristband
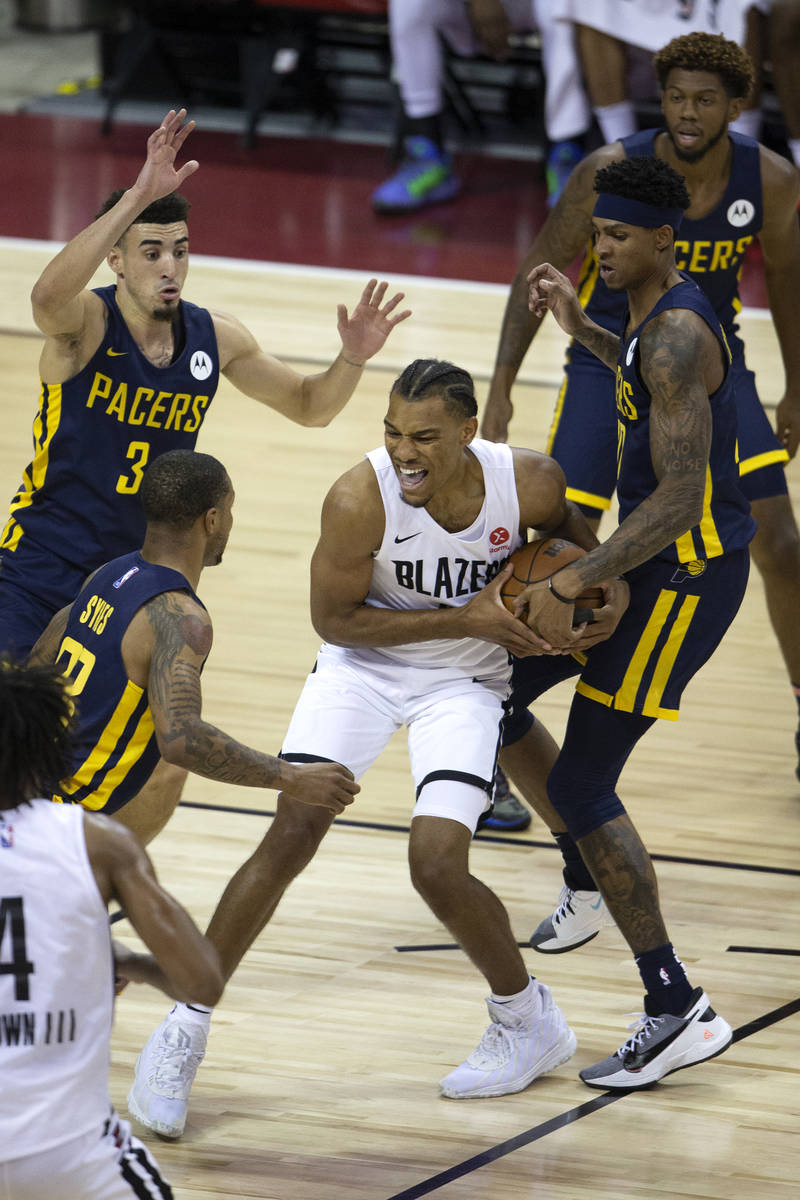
{"points": [[558, 596]]}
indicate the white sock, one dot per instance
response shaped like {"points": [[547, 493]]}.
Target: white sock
{"points": [[196, 1013], [520, 1002], [616, 120], [748, 123], [794, 150]]}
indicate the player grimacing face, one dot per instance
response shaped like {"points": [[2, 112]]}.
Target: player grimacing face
{"points": [[151, 263], [697, 111], [425, 443]]}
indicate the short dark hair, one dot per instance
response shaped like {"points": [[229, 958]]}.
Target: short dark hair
{"points": [[182, 485], [165, 211], [710, 52], [426, 377], [650, 180], [36, 745]]}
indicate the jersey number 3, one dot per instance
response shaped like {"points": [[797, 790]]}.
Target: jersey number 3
{"points": [[139, 452], [12, 917]]}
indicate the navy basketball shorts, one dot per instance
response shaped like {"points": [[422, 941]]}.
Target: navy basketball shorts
{"points": [[583, 433], [348, 710], [673, 625], [34, 584]]}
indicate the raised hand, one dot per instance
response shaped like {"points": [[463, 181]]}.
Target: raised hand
{"points": [[365, 332], [158, 177], [550, 289]]}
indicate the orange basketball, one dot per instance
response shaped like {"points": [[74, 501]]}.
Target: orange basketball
{"points": [[538, 560]]}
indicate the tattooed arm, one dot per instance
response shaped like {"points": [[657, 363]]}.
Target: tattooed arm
{"points": [[563, 236], [681, 364], [46, 647], [170, 640]]}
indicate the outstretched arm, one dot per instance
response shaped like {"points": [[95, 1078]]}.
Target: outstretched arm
{"points": [[182, 963], [175, 643], [310, 399], [563, 236], [681, 365], [780, 242], [61, 306]]}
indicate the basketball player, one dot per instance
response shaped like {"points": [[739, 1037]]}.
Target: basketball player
{"points": [[134, 643], [682, 541], [61, 1136], [415, 635], [128, 372], [737, 190]]}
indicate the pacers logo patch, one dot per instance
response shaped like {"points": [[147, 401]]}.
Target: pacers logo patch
{"points": [[200, 365], [741, 212], [689, 570]]}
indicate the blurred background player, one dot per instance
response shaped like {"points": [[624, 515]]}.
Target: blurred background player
{"points": [[739, 190], [61, 1135], [416, 28]]}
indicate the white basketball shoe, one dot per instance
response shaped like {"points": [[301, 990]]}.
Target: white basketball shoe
{"points": [[164, 1075]]}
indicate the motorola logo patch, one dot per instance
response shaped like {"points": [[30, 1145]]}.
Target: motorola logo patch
{"points": [[200, 365], [741, 212]]}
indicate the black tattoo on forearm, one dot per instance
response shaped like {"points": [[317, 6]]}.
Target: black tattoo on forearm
{"points": [[174, 690]]}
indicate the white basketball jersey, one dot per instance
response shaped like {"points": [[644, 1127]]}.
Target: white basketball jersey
{"points": [[420, 565], [56, 982]]}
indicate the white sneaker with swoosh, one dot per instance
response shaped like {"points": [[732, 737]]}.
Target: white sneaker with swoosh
{"points": [[578, 917]]}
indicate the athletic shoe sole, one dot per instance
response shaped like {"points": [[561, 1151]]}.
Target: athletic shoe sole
{"points": [[691, 1058], [560, 948]]}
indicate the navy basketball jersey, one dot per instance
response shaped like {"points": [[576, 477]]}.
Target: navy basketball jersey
{"points": [[116, 748], [726, 523], [710, 250], [95, 434]]}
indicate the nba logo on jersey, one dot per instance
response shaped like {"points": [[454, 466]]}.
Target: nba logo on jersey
{"points": [[200, 365], [6, 836]]}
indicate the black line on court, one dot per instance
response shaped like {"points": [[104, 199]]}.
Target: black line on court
{"points": [[452, 946], [756, 950], [567, 1118], [503, 841], [117, 916]]}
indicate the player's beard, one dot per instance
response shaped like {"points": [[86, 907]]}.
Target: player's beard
{"points": [[694, 156], [164, 314]]}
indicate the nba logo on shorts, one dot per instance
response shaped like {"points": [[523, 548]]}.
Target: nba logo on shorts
{"points": [[6, 836]]}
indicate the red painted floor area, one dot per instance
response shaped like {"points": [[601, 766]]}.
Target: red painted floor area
{"points": [[293, 201]]}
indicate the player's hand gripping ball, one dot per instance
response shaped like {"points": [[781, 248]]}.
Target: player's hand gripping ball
{"points": [[536, 561]]}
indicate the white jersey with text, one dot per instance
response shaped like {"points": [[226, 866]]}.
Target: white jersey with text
{"points": [[56, 982], [419, 565]]}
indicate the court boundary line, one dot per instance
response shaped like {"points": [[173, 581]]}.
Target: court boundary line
{"points": [[380, 827], [267, 267], [503, 1149]]}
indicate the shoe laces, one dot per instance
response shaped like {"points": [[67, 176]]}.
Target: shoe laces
{"points": [[494, 1048], [175, 1066], [643, 1027], [564, 905]]}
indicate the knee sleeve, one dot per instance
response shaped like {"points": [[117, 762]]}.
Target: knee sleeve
{"points": [[580, 800]]}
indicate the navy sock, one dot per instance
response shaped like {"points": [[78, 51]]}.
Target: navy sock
{"points": [[665, 981], [576, 874]]}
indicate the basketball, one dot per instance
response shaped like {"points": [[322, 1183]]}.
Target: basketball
{"points": [[538, 560]]}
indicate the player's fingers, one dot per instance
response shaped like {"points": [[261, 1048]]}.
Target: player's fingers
{"points": [[182, 134], [378, 294], [187, 169], [393, 303], [399, 317], [366, 295]]}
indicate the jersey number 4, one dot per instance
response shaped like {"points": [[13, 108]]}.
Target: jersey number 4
{"points": [[13, 919]]}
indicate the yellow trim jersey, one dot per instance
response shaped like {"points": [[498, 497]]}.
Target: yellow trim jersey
{"points": [[95, 434], [115, 748]]}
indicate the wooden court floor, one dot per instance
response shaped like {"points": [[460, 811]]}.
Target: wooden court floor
{"points": [[320, 1081]]}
